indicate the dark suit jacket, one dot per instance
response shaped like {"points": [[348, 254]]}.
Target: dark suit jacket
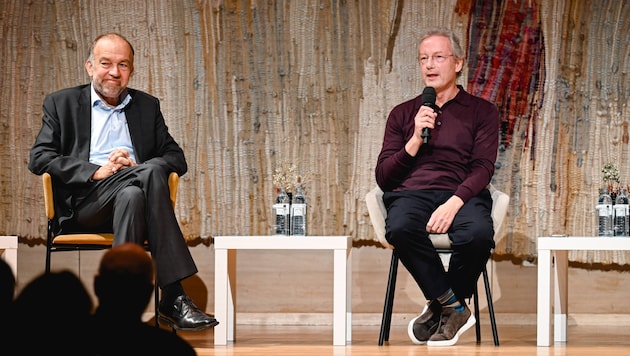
{"points": [[62, 147]]}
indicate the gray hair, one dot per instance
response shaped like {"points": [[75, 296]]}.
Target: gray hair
{"points": [[458, 52]]}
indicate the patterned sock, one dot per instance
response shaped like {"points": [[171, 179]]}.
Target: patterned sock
{"points": [[449, 300]]}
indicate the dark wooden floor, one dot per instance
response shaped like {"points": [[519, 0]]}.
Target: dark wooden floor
{"points": [[317, 340]]}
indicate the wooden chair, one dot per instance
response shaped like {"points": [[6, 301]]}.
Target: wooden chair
{"points": [[377, 212], [86, 241]]}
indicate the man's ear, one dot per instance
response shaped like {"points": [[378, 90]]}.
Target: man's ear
{"points": [[459, 66], [89, 67]]}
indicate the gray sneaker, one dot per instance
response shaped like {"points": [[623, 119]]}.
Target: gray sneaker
{"points": [[424, 325], [452, 325]]}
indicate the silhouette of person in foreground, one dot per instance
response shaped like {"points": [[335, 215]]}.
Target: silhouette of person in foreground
{"points": [[123, 286], [7, 290], [49, 316]]}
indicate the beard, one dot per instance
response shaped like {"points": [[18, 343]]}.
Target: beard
{"points": [[109, 92]]}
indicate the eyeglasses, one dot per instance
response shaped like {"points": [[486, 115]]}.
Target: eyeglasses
{"points": [[438, 58]]}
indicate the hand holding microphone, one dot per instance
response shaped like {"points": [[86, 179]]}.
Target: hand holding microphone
{"points": [[428, 99]]}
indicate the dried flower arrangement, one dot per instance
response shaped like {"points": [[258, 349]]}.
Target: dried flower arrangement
{"points": [[287, 176], [610, 174]]}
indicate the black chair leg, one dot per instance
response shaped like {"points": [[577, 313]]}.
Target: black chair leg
{"points": [[386, 321], [48, 246], [477, 324], [47, 259], [389, 304], [493, 322], [156, 300]]}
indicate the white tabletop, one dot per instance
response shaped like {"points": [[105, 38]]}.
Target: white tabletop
{"points": [[601, 243], [282, 242]]}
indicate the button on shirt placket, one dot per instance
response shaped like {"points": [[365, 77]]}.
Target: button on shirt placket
{"points": [[109, 131]]}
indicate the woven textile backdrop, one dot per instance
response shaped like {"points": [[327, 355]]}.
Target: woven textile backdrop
{"points": [[250, 86]]}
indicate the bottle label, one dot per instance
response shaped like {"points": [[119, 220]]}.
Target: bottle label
{"points": [[281, 208], [282, 214], [621, 220], [604, 209], [621, 210], [605, 219], [298, 219]]}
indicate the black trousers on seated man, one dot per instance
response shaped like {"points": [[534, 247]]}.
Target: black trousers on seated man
{"points": [[471, 234], [136, 203]]}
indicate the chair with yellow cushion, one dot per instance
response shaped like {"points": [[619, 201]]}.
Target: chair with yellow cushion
{"points": [[85, 241]]}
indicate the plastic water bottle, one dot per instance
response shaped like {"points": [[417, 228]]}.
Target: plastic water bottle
{"points": [[604, 210], [282, 212], [298, 213], [621, 213]]}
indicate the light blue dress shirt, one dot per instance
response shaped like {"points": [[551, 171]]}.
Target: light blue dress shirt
{"points": [[109, 129]]}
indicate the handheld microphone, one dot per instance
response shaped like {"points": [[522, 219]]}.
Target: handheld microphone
{"points": [[428, 99]]}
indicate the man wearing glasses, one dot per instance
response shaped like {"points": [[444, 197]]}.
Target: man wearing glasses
{"points": [[437, 158]]}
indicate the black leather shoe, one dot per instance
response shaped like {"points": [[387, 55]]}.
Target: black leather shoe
{"points": [[184, 315]]}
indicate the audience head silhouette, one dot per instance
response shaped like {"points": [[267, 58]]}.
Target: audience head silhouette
{"points": [[51, 307], [123, 285], [7, 286], [124, 282], [58, 296]]}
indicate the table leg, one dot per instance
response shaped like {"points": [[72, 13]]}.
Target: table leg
{"points": [[221, 296], [561, 295], [231, 295], [340, 297], [8, 251], [543, 329], [349, 296]]}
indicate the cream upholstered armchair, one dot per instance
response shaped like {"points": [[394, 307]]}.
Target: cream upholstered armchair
{"points": [[378, 213]]}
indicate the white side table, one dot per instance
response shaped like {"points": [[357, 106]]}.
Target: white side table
{"points": [[225, 248], [553, 274], [8, 251]]}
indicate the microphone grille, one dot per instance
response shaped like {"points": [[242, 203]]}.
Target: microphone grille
{"points": [[429, 95]]}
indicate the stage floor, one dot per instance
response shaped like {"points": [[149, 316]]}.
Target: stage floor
{"points": [[317, 340]]}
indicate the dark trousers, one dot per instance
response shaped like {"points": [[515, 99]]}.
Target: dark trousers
{"points": [[136, 202], [471, 234]]}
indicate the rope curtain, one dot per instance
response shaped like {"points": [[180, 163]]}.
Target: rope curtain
{"points": [[562, 90], [246, 86]]}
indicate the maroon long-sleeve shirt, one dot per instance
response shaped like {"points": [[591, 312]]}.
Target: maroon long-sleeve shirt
{"points": [[459, 156]]}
